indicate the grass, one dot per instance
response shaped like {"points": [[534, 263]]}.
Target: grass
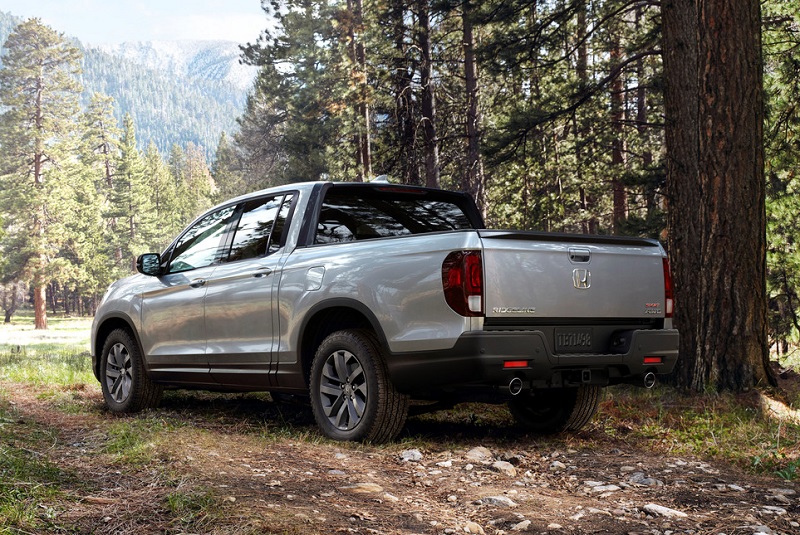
{"points": [[726, 427], [27, 479]]}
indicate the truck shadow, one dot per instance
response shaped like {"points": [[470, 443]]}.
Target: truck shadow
{"points": [[291, 415]]}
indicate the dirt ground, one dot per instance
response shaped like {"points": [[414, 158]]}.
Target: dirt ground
{"points": [[262, 468]]}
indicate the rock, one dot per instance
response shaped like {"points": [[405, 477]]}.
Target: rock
{"points": [[780, 498], [479, 455], [782, 492], [363, 488], [391, 498], [736, 488], [500, 501], [472, 527], [413, 456], [505, 468], [452, 498], [605, 488], [774, 510], [625, 469], [639, 478], [666, 512], [523, 526], [762, 530], [554, 526], [335, 473], [557, 466], [445, 464]]}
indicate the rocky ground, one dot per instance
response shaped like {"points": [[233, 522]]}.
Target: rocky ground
{"points": [[454, 478]]}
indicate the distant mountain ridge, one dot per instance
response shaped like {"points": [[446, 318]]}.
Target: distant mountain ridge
{"points": [[177, 92], [206, 60]]}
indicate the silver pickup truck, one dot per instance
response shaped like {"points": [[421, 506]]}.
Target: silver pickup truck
{"points": [[363, 297]]}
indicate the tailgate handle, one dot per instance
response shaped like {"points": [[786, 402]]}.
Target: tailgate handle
{"points": [[579, 256]]}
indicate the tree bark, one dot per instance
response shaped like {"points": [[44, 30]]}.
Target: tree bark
{"points": [[620, 196], [403, 69], [716, 191], [431, 143], [472, 181]]}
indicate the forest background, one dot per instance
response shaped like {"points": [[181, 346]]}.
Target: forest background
{"points": [[551, 113]]}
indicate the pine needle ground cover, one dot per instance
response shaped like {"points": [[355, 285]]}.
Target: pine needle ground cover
{"points": [[68, 465]]}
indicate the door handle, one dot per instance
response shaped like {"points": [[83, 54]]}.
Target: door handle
{"points": [[262, 273], [197, 283]]}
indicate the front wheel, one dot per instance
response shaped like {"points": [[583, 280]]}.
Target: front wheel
{"points": [[556, 410], [126, 386], [351, 394]]}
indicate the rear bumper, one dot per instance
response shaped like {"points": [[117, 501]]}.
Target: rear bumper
{"points": [[478, 360]]}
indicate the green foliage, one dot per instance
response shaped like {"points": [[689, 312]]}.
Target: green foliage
{"points": [[782, 137]]}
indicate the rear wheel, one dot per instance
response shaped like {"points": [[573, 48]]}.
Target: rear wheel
{"points": [[553, 411], [126, 386], [351, 394]]}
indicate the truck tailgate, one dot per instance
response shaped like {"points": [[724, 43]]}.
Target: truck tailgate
{"points": [[559, 276]]}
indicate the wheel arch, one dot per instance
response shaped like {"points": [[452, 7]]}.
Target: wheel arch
{"points": [[331, 316], [106, 327]]}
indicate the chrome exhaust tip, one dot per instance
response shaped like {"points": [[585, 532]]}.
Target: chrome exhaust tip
{"points": [[649, 380], [515, 386]]}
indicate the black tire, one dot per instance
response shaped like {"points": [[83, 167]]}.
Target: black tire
{"points": [[126, 386], [554, 411], [351, 394]]}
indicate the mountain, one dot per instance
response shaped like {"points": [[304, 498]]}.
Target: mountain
{"points": [[177, 92], [205, 60]]}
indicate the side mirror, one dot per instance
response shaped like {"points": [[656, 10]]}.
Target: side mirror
{"points": [[149, 264]]}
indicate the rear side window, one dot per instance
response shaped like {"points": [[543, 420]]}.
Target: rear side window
{"points": [[348, 216], [260, 228]]}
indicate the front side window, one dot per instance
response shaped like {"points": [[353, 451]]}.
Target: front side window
{"points": [[201, 245]]}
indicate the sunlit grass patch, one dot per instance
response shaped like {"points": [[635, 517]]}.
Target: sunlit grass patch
{"points": [[28, 481], [58, 356], [62, 334], [727, 427]]}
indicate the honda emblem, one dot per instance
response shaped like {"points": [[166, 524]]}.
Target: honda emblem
{"points": [[581, 279]]}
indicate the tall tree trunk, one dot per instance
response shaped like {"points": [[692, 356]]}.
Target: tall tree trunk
{"points": [[403, 69], [620, 196], [641, 124], [359, 59], [717, 237], [431, 143], [472, 180], [588, 222]]}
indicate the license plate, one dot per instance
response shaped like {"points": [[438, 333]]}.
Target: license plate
{"points": [[573, 340]]}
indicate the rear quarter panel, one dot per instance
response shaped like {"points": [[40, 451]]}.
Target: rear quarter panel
{"points": [[398, 279]]}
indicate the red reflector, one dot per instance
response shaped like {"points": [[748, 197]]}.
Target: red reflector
{"points": [[515, 364], [653, 360]]}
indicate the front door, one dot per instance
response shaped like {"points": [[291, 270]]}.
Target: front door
{"points": [[173, 316]]}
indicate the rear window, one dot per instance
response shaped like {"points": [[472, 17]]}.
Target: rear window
{"points": [[348, 216]]}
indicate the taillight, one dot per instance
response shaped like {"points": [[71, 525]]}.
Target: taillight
{"points": [[462, 279], [669, 296]]}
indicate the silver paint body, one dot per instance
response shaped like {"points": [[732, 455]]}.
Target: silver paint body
{"points": [[239, 325]]}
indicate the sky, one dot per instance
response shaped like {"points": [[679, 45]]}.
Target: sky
{"points": [[117, 21]]}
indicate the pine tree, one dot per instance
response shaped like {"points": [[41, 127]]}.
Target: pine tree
{"points": [[130, 202], [39, 91]]}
